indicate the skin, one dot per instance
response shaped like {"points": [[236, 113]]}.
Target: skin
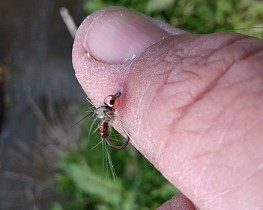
{"points": [[193, 104]]}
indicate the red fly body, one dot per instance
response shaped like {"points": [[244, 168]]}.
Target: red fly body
{"points": [[104, 129]]}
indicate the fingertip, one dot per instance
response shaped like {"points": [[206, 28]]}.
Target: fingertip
{"points": [[178, 202], [106, 43]]}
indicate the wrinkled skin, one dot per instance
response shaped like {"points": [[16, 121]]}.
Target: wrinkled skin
{"points": [[193, 105]]}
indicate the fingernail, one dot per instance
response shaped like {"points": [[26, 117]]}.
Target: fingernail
{"points": [[119, 35]]}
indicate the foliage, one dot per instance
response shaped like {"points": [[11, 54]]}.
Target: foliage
{"points": [[200, 16], [86, 180]]}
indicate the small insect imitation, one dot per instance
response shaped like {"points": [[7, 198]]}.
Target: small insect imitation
{"points": [[106, 114], [105, 117]]}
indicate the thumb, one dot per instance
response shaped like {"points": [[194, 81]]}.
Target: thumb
{"points": [[182, 100], [105, 45]]}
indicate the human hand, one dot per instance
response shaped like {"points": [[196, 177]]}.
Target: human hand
{"points": [[193, 103]]}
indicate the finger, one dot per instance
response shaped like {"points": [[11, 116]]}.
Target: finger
{"points": [[178, 202], [193, 100], [104, 41], [185, 99]]}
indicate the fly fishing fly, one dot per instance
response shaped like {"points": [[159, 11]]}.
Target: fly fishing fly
{"points": [[105, 114]]}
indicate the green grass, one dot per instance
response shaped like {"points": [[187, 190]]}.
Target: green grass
{"points": [[84, 180], [199, 16]]}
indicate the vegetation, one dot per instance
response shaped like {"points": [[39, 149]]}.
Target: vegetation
{"points": [[84, 178], [87, 181], [200, 16]]}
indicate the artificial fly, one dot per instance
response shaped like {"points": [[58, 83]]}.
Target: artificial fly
{"points": [[105, 114]]}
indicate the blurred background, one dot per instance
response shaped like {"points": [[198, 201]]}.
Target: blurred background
{"points": [[44, 162]]}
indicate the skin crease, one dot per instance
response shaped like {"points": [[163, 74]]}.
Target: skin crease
{"points": [[193, 107]]}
